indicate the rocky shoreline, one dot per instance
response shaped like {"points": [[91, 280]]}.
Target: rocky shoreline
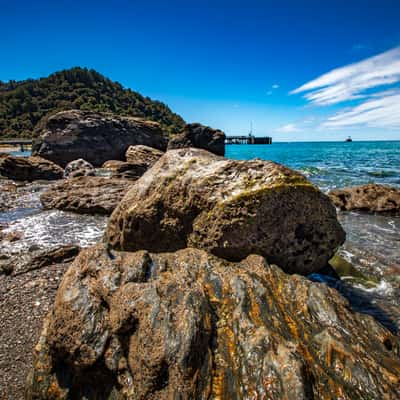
{"points": [[195, 290]]}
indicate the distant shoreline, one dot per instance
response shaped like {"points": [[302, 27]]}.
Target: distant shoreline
{"points": [[326, 141]]}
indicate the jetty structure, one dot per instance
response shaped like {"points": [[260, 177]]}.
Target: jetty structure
{"points": [[248, 139], [16, 142]]}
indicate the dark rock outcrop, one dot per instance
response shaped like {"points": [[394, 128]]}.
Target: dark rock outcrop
{"points": [[125, 170], [192, 198], [370, 198], [143, 155], [77, 168], [86, 195], [95, 137], [29, 168], [188, 325], [200, 136]]}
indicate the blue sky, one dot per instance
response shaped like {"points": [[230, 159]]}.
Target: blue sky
{"points": [[299, 70]]}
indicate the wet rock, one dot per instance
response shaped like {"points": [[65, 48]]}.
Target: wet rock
{"points": [[10, 236], [77, 168], [23, 262], [86, 195], [125, 170], [29, 168], [371, 198], [188, 325], [143, 155], [192, 198], [95, 137], [200, 136]]}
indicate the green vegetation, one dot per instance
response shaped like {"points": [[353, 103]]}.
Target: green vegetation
{"points": [[23, 104]]}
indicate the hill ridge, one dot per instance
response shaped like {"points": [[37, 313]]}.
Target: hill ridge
{"points": [[24, 103]]}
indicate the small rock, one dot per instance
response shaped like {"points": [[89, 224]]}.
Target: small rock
{"points": [[199, 136], [143, 155], [29, 168], [372, 198], [86, 195], [77, 168], [125, 170]]}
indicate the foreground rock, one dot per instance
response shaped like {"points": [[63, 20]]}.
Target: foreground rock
{"points": [[29, 168], [200, 136], [188, 325], [86, 195], [77, 168], [370, 198], [143, 155], [95, 137], [192, 198]]}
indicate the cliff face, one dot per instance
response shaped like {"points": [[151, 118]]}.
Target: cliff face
{"points": [[23, 104]]}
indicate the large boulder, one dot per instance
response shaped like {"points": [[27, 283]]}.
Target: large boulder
{"points": [[192, 198], [86, 195], [29, 168], [95, 137], [371, 198], [188, 325], [143, 155], [200, 136]]}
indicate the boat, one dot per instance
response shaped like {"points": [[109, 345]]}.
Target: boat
{"points": [[349, 139]]}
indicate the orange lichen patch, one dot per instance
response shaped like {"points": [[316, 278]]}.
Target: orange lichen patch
{"points": [[334, 348], [54, 391]]}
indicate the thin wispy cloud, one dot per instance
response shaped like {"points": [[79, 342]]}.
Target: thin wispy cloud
{"points": [[372, 82], [381, 112], [288, 128], [275, 86], [351, 82]]}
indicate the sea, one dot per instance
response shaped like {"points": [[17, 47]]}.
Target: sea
{"points": [[371, 253]]}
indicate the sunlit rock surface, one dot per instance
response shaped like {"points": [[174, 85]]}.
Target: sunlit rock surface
{"points": [[188, 325], [140, 154], [192, 198], [28, 168], [86, 195], [371, 198]]}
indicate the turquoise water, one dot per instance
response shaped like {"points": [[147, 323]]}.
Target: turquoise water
{"points": [[331, 164], [20, 153], [373, 241]]}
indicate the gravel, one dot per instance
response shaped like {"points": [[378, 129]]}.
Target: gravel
{"points": [[24, 302]]}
